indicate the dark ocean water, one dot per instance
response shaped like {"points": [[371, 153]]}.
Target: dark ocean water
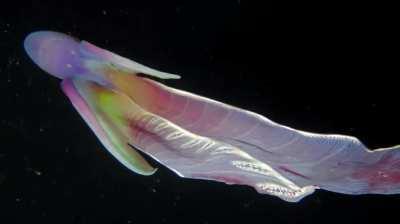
{"points": [[321, 76]]}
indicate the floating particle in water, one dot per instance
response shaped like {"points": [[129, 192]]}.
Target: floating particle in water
{"points": [[36, 172]]}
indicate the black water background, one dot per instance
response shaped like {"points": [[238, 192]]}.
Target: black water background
{"points": [[328, 76]]}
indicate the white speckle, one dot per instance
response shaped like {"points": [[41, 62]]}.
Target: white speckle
{"points": [[161, 126], [69, 66], [37, 172], [104, 12], [382, 174], [191, 143], [174, 135]]}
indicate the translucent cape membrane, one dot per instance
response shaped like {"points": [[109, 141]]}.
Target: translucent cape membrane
{"points": [[184, 152]]}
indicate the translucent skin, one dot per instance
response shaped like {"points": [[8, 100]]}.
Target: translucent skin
{"points": [[56, 53], [201, 138]]}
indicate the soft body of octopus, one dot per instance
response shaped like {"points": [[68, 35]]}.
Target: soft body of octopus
{"points": [[200, 138]]}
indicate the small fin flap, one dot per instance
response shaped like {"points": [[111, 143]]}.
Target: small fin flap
{"points": [[396, 147], [91, 102], [124, 64]]}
